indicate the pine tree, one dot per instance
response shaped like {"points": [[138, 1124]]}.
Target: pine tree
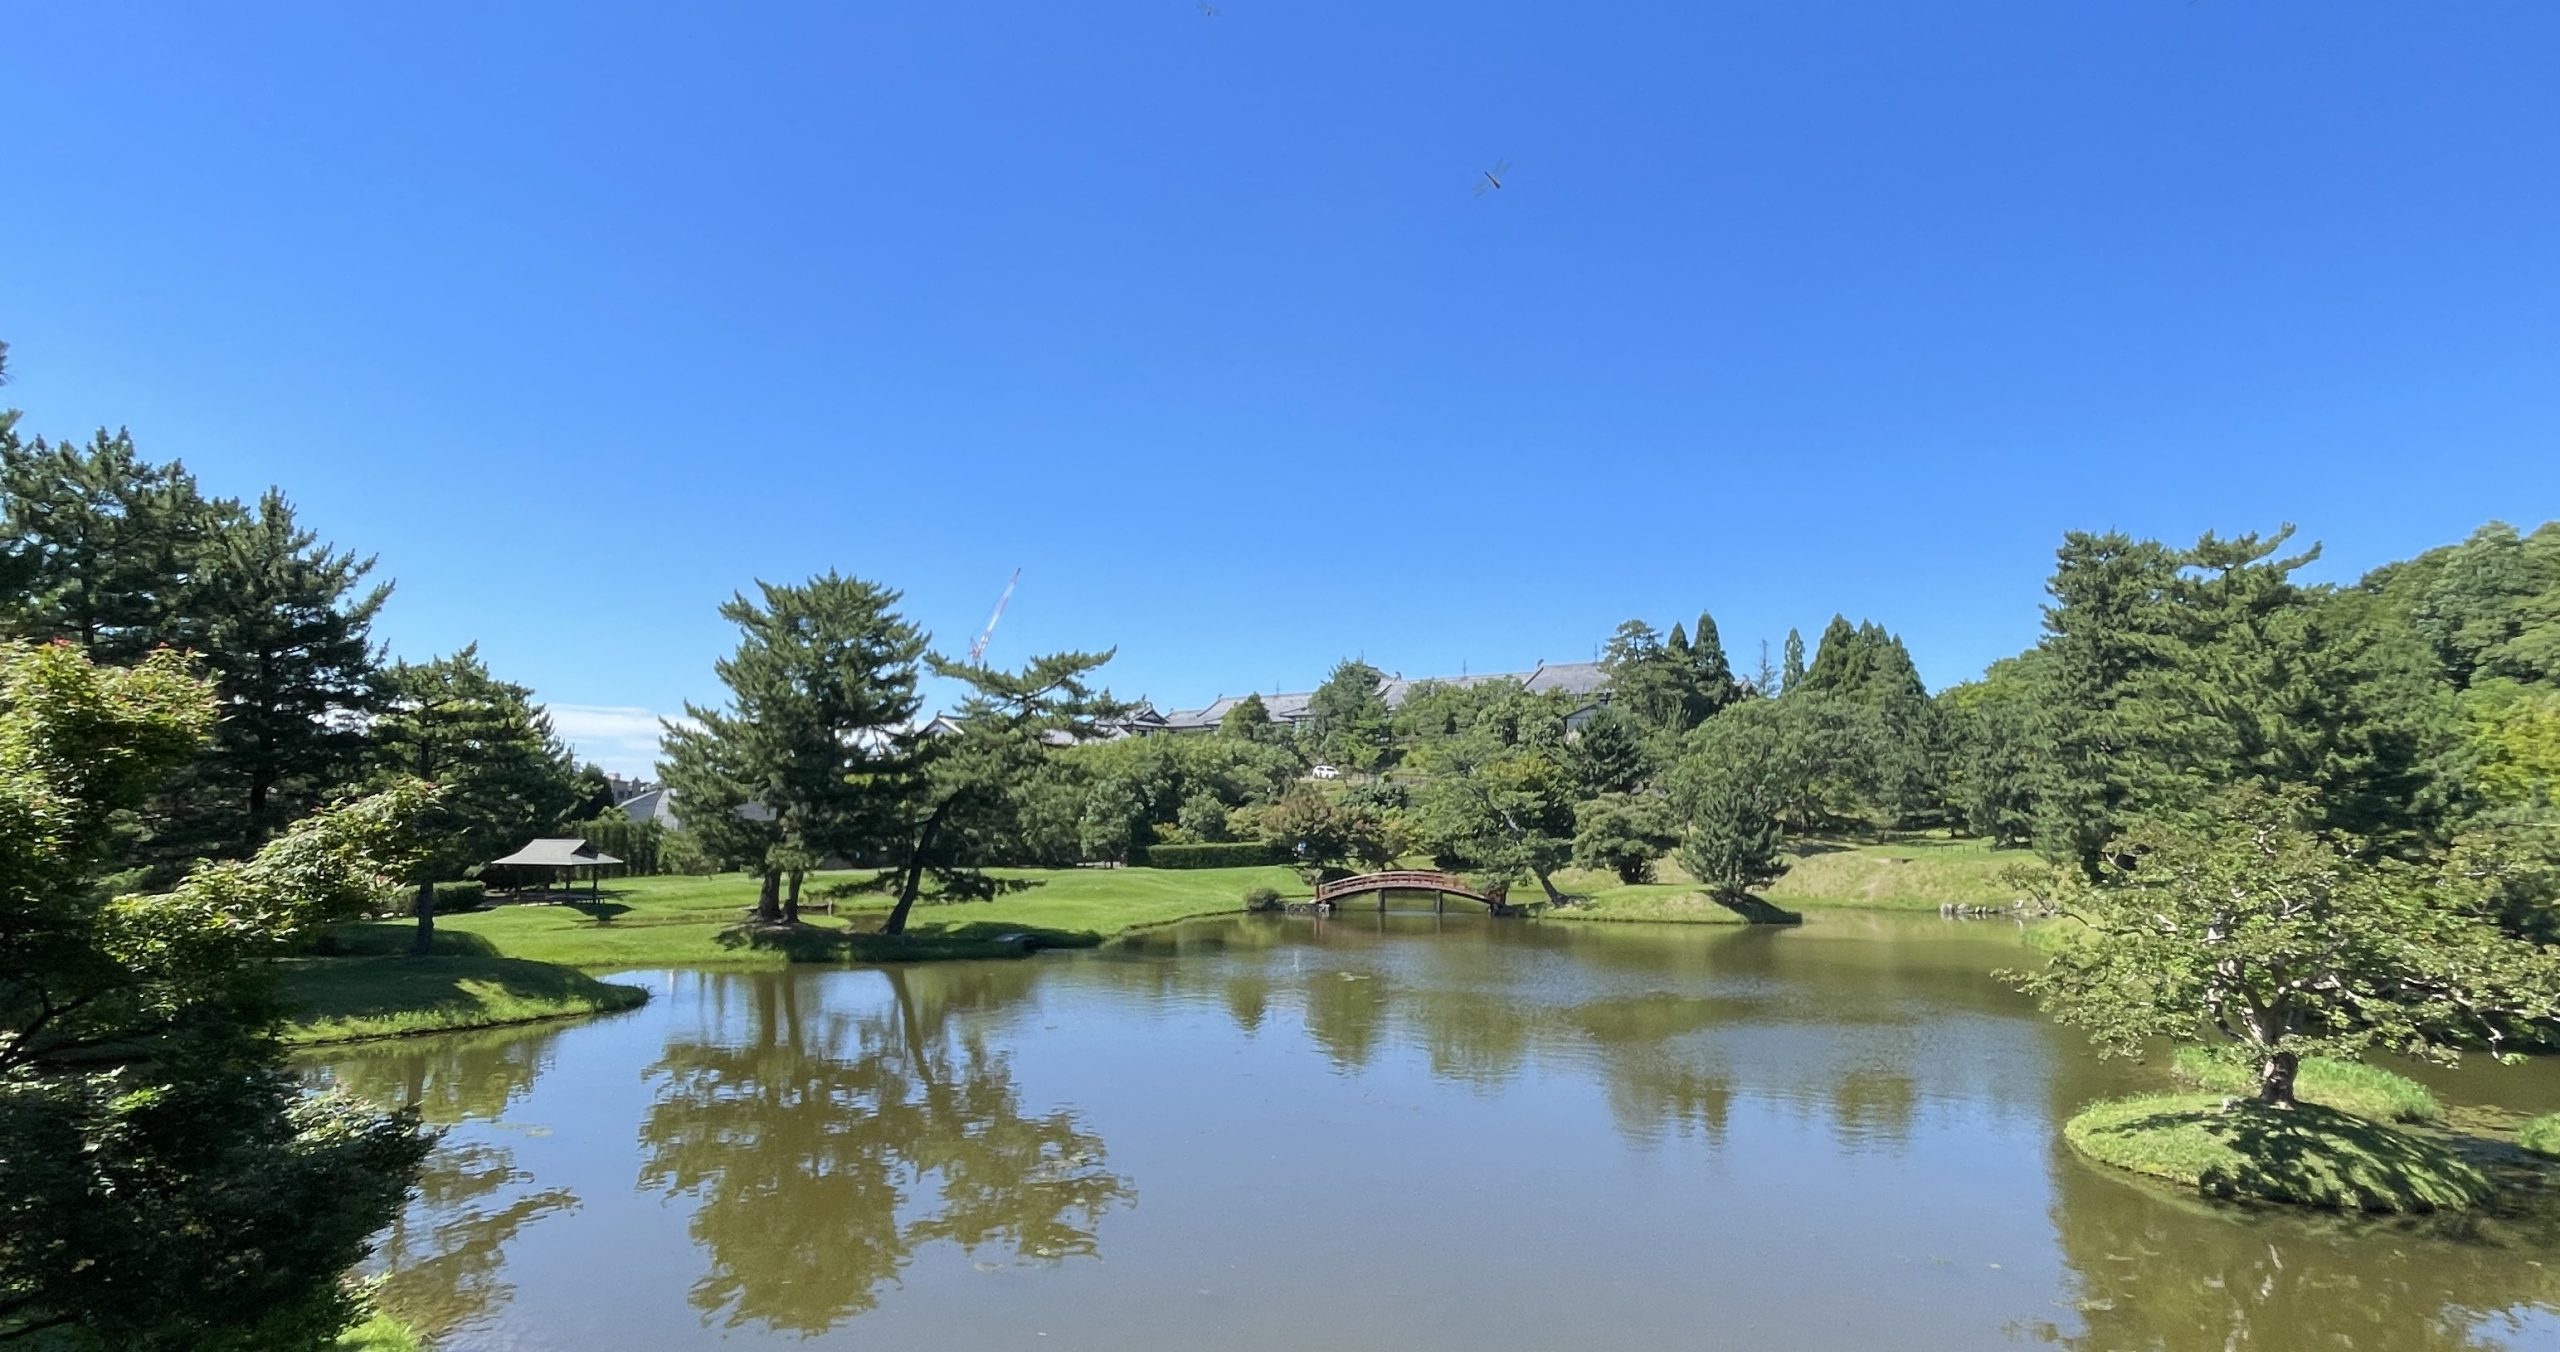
{"points": [[97, 545], [1791, 675], [962, 796], [283, 625], [502, 776], [1608, 753], [1733, 838], [814, 755], [1711, 682], [1347, 716]]}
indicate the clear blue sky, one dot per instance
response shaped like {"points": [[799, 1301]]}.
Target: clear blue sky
{"points": [[581, 318]]}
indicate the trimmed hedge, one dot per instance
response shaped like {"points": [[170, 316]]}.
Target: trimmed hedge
{"points": [[462, 896], [1226, 854]]}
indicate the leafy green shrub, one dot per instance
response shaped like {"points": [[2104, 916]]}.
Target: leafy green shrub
{"points": [[1378, 795], [1224, 854], [462, 896], [2542, 1136], [1268, 899]]}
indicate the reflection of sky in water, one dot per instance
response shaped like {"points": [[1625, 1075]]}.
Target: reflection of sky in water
{"points": [[1409, 1134]]}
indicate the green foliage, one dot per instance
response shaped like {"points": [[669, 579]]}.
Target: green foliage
{"points": [[1623, 833], [1731, 839], [2284, 942], [2172, 674], [1791, 666], [1664, 687], [2309, 1155], [1347, 718], [1998, 749], [1250, 720], [503, 778], [381, 1333], [1262, 899], [966, 800], [640, 845], [812, 756], [2541, 1136], [1222, 854], [1319, 835], [460, 896], [1499, 801], [2513, 733], [2348, 1086], [136, 1061], [282, 624], [1607, 754]]}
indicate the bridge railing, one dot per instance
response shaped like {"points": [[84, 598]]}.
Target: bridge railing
{"points": [[1403, 880]]}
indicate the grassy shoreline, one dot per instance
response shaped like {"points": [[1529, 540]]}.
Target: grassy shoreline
{"points": [[2306, 1156], [516, 963]]}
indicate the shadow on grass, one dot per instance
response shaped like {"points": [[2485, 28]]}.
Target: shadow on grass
{"points": [[596, 910], [1755, 911], [360, 939], [2308, 1154], [921, 943]]}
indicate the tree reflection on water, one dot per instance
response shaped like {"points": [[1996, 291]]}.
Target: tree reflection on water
{"points": [[440, 1261], [823, 1148]]}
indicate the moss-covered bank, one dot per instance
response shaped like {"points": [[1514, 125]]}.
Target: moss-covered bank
{"points": [[2541, 1136], [2309, 1155]]}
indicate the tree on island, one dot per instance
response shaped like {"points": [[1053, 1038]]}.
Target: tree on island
{"points": [[2284, 941]]}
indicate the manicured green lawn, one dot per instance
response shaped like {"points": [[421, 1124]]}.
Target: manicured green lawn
{"points": [[2310, 1155], [651, 921], [343, 999], [2348, 1086], [512, 963], [1918, 871]]}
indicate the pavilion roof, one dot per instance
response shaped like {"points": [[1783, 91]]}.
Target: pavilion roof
{"points": [[558, 852]]}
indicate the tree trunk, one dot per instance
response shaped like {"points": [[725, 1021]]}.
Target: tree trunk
{"points": [[913, 881], [791, 901], [769, 897], [1554, 897], [2275, 1079], [426, 909]]}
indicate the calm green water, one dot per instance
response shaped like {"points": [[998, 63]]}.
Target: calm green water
{"points": [[1374, 1133]]}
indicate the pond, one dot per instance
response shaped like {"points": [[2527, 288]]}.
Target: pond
{"points": [[1366, 1132]]}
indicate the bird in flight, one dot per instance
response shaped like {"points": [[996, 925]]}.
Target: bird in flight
{"points": [[1207, 10], [1493, 178]]}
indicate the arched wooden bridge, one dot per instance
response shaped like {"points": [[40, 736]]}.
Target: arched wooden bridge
{"points": [[1442, 886]]}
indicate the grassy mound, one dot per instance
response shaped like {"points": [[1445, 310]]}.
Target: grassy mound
{"points": [[2542, 1136], [343, 999], [2348, 1086], [2311, 1156]]}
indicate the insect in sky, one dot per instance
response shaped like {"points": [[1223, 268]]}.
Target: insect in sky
{"points": [[1207, 10], [1493, 178]]}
